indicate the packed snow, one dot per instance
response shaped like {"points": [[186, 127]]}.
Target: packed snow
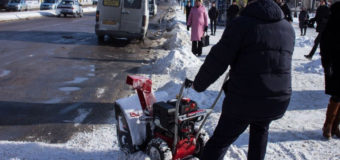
{"points": [[297, 135]]}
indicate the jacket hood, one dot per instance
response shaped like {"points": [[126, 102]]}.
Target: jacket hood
{"points": [[266, 10]]}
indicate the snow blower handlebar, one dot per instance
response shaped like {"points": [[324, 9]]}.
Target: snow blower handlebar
{"points": [[212, 107]]}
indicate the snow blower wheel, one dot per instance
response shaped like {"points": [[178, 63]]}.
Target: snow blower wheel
{"points": [[123, 133], [200, 143], [158, 149]]}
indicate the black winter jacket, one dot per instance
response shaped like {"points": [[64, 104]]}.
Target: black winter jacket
{"points": [[232, 11], [213, 13], [258, 46], [287, 12], [330, 51], [303, 19], [321, 17]]}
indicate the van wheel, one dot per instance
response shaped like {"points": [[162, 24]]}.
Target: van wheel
{"points": [[100, 38], [58, 15], [64, 15]]}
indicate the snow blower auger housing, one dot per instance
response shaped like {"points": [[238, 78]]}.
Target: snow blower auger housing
{"points": [[164, 129]]}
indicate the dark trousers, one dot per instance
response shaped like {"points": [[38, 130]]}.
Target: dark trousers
{"points": [[316, 44], [197, 47], [213, 24], [228, 130], [303, 31]]}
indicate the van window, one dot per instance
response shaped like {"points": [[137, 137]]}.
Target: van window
{"points": [[134, 4], [49, 1], [112, 3], [67, 2], [15, 1]]}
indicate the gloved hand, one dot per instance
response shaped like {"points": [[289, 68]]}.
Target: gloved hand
{"points": [[188, 83], [205, 28], [188, 27]]}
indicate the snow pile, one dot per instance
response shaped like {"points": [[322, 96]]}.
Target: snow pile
{"points": [[177, 37]]}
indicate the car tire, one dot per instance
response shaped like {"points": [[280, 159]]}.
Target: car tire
{"points": [[59, 15], [64, 15], [81, 14], [101, 38]]}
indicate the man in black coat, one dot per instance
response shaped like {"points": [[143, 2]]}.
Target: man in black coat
{"points": [[187, 12], [213, 15], [330, 58], [286, 10], [321, 18], [258, 47], [303, 21], [232, 13]]}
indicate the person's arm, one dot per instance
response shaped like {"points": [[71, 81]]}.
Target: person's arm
{"points": [[205, 18], [220, 56], [325, 48], [189, 19], [210, 14]]}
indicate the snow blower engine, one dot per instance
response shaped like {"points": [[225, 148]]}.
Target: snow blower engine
{"points": [[167, 129]]}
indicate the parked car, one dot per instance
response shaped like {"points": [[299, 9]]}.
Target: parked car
{"points": [[69, 7], [122, 19], [17, 5], [49, 4], [152, 7], [20, 5]]}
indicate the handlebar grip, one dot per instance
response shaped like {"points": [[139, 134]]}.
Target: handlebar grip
{"points": [[188, 83]]}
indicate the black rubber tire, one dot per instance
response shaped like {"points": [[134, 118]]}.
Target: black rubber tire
{"points": [[123, 137], [101, 38], [158, 149], [65, 15]]}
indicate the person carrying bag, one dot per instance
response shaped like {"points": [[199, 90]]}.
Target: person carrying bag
{"points": [[198, 20]]}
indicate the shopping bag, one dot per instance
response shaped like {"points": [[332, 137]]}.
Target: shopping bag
{"points": [[205, 40]]}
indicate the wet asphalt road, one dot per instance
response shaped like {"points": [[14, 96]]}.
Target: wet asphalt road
{"points": [[52, 70]]}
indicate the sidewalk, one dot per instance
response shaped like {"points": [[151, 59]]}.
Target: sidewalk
{"points": [[10, 16]]}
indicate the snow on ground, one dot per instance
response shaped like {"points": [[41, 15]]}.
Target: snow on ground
{"points": [[297, 135], [9, 16]]}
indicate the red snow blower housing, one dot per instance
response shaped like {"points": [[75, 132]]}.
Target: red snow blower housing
{"points": [[166, 129]]}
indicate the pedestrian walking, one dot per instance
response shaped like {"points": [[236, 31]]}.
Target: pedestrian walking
{"points": [[259, 87], [303, 21], [198, 21], [286, 10], [187, 12], [232, 13], [330, 58], [321, 18], [213, 15]]}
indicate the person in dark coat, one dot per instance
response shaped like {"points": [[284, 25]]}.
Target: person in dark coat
{"points": [[303, 21], [259, 88], [187, 12], [232, 13], [286, 10], [321, 18], [213, 15], [330, 58]]}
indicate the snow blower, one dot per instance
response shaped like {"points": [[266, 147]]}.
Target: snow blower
{"points": [[164, 129]]}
